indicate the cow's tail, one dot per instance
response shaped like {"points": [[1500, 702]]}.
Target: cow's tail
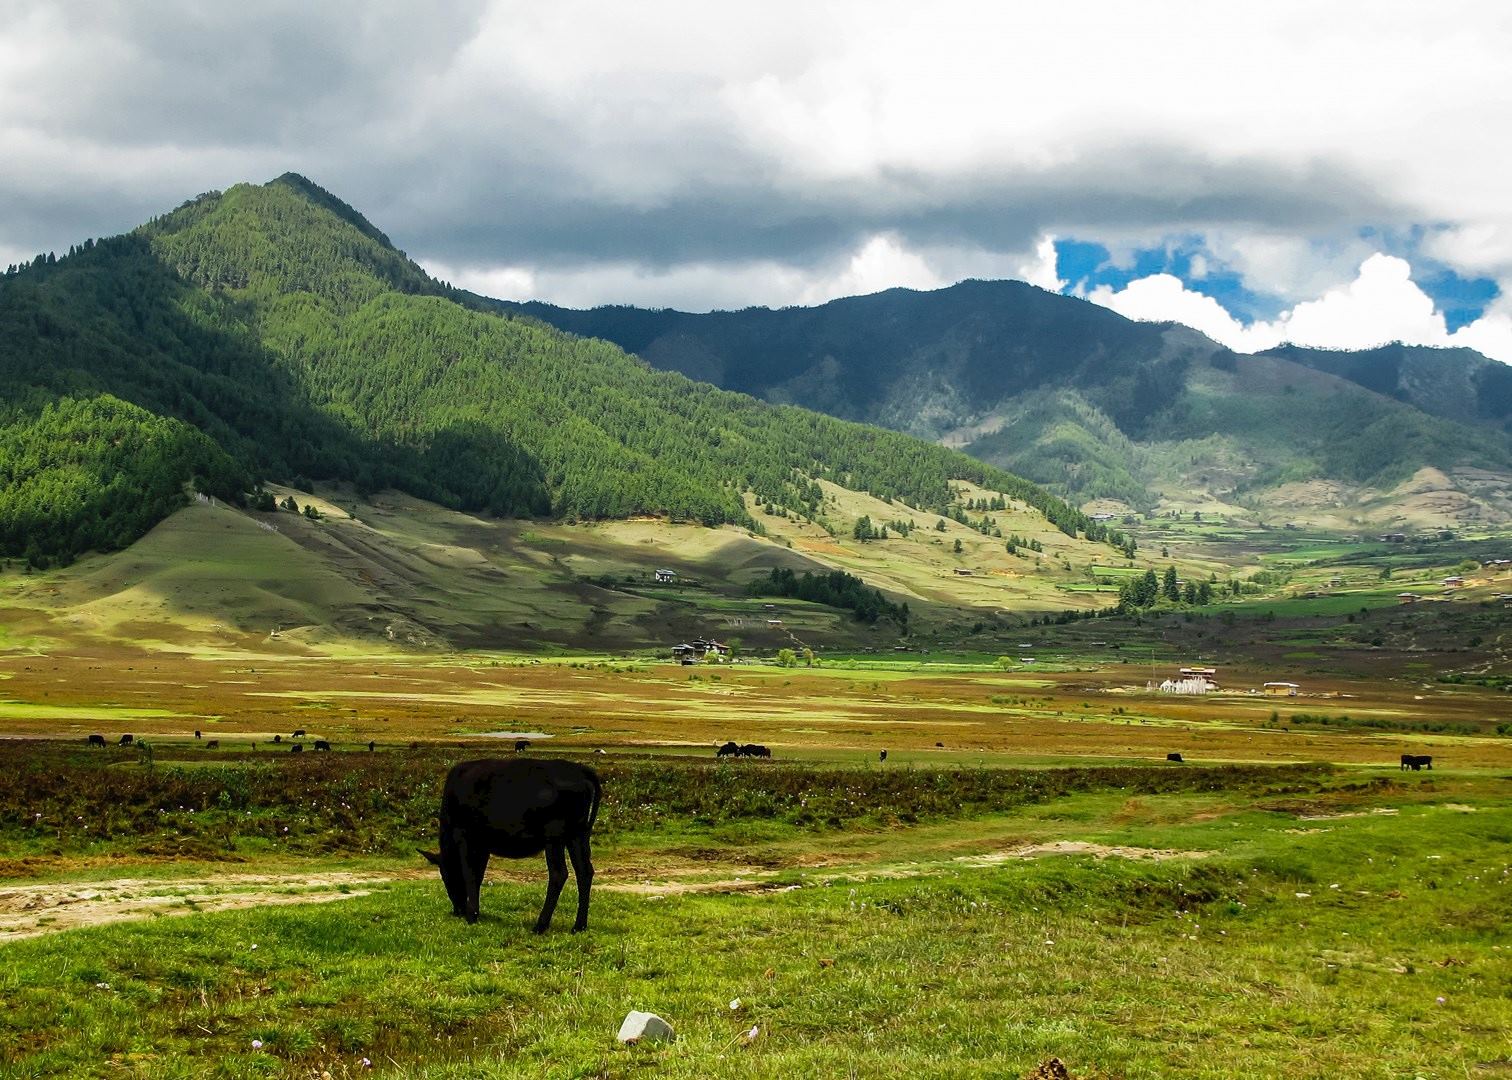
{"points": [[598, 793]]}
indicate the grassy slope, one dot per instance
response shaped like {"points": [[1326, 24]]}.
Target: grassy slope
{"points": [[396, 570]]}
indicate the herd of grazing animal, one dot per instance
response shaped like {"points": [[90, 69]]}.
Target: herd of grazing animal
{"points": [[731, 749], [517, 808]]}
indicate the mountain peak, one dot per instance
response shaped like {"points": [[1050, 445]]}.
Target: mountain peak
{"points": [[308, 189]]}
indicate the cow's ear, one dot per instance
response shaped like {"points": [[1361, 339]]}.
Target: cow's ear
{"points": [[432, 857]]}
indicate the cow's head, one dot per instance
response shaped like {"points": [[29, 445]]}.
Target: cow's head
{"points": [[450, 866]]}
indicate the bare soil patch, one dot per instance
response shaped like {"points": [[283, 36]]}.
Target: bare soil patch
{"points": [[30, 910]]}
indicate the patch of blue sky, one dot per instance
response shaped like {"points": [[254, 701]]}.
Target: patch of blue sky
{"points": [[1085, 265]]}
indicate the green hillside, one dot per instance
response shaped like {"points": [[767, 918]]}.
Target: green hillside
{"points": [[300, 344], [1081, 399]]}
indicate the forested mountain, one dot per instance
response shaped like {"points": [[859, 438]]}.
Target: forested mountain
{"points": [[1077, 397], [270, 332]]}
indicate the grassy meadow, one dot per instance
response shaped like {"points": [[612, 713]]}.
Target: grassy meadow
{"points": [[1024, 878], [1263, 921]]}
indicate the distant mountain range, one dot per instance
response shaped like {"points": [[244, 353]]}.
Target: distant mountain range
{"points": [[271, 333], [1099, 407]]}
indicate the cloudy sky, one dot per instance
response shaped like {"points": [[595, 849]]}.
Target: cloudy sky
{"points": [[1333, 174]]}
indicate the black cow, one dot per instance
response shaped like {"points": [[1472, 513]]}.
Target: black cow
{"points": [[1416, 762], [278, 738], [213, 744], [514, 809], [882, 756], [300, 733], [197, 735], [940, 745], [96, 740], [372, 746], [729, 749], [126, 740], [754, 750], [1174, 757], [297, 748], [322, 744], [522, 745]]}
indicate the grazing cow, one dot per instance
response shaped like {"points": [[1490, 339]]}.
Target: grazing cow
{"points": [[126, 740], [882, 756], [514, 809], [1174, 757], [322, 744], [754, 750], [213, 744], [599, 751], [300, 733], [522, 745], [278, 738], [197, 735], [297, 748], [1416, 762], [96, 740], [372, 746], [729, 749], [940, 745]]}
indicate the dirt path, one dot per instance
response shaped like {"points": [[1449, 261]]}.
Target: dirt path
{"points": [[29, 910]]}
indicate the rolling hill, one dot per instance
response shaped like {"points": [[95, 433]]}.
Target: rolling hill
{"points": [[270, 335], [270, 332], [1098, 407]]}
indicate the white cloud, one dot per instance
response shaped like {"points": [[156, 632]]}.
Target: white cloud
{"points": [[1163, 298], [1040, 270], [726, 155], [1381, 304]]}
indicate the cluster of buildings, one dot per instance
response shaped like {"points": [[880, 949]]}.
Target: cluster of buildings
{"points": [[1204, 680]]}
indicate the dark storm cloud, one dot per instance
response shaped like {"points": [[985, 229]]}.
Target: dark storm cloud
{"points": [[507, 214], [475, 138]]}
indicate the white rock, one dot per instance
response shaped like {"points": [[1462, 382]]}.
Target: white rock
{"points": [[644, 1025]]}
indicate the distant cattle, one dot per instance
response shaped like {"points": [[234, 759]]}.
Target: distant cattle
{"points": [[300, 733], [882, 756], [322, 744], [940, 745], [1174, 757], [297, 748], [521, 745], [414, 746], [599, 751], [729, 749], [372, 746], [278, 738], [1416, 762], [96, 740], [197, 735], [754, 750], [213, 744], [514, 809], [126, 740]]}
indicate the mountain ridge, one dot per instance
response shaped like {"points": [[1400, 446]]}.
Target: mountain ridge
{"points": [[1074, 395]]}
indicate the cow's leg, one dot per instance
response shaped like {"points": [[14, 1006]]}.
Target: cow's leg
{"points": [[469, 871], [582, 869], [556, 877], [477, 866]]}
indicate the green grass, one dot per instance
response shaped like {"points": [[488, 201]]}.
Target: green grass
{"points": [[1368, 945]]}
